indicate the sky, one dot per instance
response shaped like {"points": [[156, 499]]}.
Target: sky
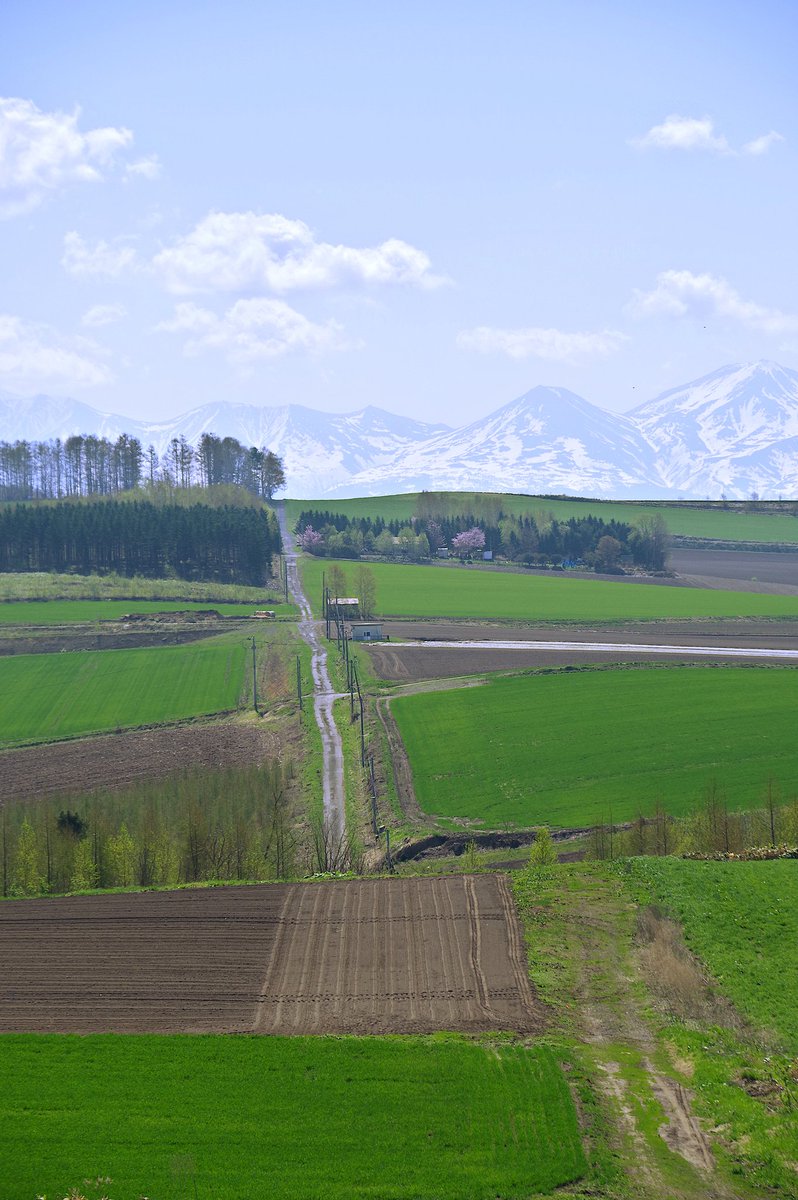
{"points": [[428, 208]]}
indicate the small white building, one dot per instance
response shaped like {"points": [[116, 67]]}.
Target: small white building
{"points": [[366, 631]]}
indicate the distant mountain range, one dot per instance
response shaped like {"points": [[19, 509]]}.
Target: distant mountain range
{"points": [[732, 433]]}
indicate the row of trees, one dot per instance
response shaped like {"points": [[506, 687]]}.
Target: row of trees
{"points": [[228, 824], [534, 538], [86, 465], [711, 828], [226, 545]]}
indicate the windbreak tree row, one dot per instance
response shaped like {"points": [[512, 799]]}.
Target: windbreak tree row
{"points": [[225, 545], [535, 537], [85, 465]]}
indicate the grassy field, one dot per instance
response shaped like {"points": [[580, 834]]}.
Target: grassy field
{"points": [[40, 585], [741, 919], [567, 748], [48, 696], [475, 592], [291, 1118], [588, 962], [716, 522], [68, 612]]}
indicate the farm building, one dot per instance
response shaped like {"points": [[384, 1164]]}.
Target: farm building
{"points": [[348, 606], [366, 631]]}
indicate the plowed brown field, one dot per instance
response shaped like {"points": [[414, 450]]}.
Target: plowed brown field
{"points": [[361, 956], [117, 760]]}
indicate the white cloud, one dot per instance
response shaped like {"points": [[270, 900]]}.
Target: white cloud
{"points": [[41, 152], [37, 355], [103, 314], [681, 293], [761, 145], [252, 330], [103, 258], [244, 251], [144, 168], [552, 344], [698, 133]]}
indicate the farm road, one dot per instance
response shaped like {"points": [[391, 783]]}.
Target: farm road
{"points": [[636, 648], [440, 650], [323, 694]]}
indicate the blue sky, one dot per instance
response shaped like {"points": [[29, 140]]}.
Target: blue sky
{"points": [[427, 208]]}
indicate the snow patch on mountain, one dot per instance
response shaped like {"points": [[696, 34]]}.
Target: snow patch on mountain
{"points": [[732, 432]]}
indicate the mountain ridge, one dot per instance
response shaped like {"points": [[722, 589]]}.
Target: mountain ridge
{"points": [[732, 432]]}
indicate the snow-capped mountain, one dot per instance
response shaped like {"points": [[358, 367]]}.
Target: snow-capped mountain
{"points": [[734, 432], [321, 451], [549, 440]]}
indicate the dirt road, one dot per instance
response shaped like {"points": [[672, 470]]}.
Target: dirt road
{"points": [[323, 694]]}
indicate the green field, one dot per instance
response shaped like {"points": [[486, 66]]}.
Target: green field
{"points": [[285, 1118], [732, 524], [67, 612], [41, 585], [741, 919], [48, 696], [569, 748], [478, 593]]}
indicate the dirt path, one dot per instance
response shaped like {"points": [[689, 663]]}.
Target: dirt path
{"points": [[611, 1020], [323, 694]]}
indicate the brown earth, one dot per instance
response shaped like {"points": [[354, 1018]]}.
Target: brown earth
{"points": [[54, 642], [116, 760], [356, 956], [430, 662], [738, 570]]}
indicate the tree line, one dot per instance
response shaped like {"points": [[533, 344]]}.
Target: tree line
{"points": [[200, 825], [535, 539], [710, 828], [86, 465], [198, 542]]}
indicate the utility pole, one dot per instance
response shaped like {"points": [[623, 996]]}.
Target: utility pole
{"points": [[299, 681], [254, 677]]}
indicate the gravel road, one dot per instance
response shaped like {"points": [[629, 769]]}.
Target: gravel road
{"points": [[323, 694]]}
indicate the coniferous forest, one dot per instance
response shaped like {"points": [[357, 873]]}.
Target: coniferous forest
{"points": [[229, 544]]}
